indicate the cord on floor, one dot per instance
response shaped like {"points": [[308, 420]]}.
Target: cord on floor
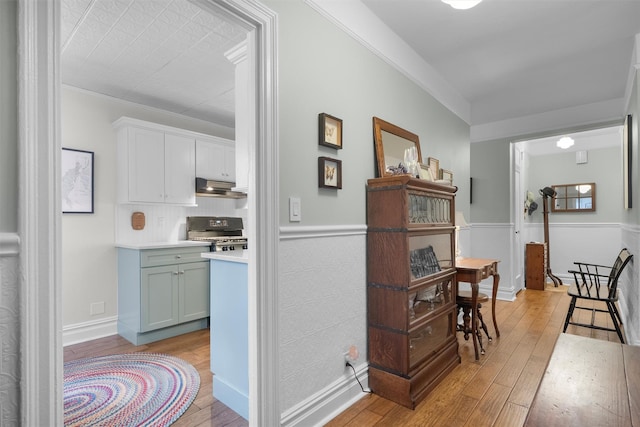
{"points": [[356, 375]]}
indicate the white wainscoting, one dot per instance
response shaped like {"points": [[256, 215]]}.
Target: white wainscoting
{"points": [[10, 308], [568, 242], [597, 243], [322, 307], [629, 296]]}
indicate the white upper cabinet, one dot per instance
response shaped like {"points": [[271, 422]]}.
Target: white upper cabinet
{"points": [[179, 169], [216, 159], [145, 165], [155, 163]]}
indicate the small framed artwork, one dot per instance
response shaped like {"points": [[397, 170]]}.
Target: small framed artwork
{"points": [[446, 175], [77, 181], [329, 173], [330, 131]]}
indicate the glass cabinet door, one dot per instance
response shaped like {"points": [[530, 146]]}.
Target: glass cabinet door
{"points": [[429, 209], [426, 340], [430, 298], [430, 253]]}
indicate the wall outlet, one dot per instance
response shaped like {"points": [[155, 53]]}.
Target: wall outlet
{"points": [[351, 355], [96, 308]]}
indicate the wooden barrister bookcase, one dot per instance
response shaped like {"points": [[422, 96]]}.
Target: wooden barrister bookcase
{"points": [[411, 286]]}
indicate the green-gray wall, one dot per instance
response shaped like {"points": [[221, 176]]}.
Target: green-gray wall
{"points": [[491, 175], [323, 69], [8, 118], [632, 216], [561, 168]]}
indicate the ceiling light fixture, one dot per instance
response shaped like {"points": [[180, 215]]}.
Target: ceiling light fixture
{"points": [[461, 4], [564, 142]]}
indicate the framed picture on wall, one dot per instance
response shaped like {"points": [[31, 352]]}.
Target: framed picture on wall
{"points": [[77, 181], [330, 128], [329, 173]]}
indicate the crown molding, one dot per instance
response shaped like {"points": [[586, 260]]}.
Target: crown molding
{"points": [[354, 18], [609, 112]]}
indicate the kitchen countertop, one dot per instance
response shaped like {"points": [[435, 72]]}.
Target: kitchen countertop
{"points": [[232, 256], [162, 245]]}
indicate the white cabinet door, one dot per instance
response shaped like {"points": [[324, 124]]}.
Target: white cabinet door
{"points": [[146, 165], [179, 169], [230, 162], [215, 160]]}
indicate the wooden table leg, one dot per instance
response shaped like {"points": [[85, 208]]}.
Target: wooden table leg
{"points": [[474, 317], [496, 282]]}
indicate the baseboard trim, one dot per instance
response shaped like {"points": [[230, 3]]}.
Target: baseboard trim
{"points": [[328, 403], [87, 331]]}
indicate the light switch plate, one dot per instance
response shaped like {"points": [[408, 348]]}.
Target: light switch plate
{"points": [[295, 209]]}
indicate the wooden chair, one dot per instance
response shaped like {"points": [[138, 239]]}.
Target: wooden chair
{"points": [[590, 285], [464, 302]]}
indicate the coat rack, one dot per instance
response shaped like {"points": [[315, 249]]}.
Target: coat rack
{"points": [[548, 192]]}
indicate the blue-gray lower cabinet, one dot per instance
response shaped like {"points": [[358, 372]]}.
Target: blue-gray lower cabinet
{"points": [[229, 334], [162, 293]]}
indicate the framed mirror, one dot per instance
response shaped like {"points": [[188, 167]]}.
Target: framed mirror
{"points": [[391, 142], [574, 197]]}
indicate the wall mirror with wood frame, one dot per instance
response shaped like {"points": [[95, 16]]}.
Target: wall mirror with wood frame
{"points": [[391, 143], [574, 197]]}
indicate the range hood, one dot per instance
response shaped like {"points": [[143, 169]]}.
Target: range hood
{"points": [[212, 188]]}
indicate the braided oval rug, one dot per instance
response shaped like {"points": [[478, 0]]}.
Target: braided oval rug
{"points": [[136, 389]]}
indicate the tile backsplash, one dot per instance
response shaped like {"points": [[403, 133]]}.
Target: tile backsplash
{"points": [[168, 223]]}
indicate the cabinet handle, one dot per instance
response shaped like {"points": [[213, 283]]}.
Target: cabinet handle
{"points": [[182, 272], [175, 273], [178, 256]]}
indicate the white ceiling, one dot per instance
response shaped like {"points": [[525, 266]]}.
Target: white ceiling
{"points": [[507, 58], [168, 54], [514, 58], [583, 141]]}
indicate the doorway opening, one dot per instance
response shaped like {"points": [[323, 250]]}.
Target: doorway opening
{"points": [[40, 144]]}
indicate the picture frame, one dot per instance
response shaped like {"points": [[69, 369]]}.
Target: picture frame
{"points": [[329, 173], [425, 173], [627, 161], [77, 172], [446, 175], [434, 167], [330, 131]]}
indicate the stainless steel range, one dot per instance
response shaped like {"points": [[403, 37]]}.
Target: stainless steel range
{"points": [[224, 233]]}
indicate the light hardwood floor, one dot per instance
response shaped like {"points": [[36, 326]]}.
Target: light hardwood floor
{"points": [[499, 388], [495, 391]]}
